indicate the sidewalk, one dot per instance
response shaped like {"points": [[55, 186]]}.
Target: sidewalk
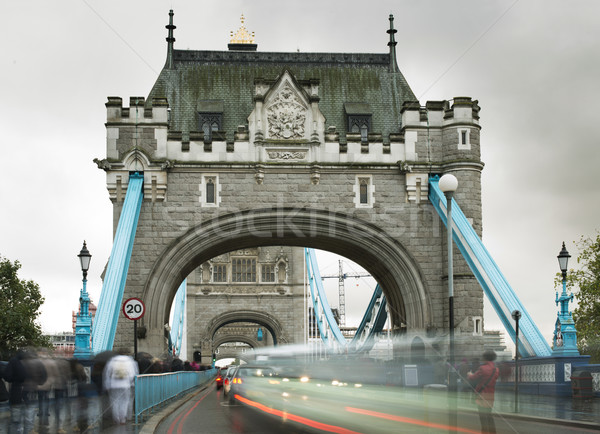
{"points": [[563, 408]]}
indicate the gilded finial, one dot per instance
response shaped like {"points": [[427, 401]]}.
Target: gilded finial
{"points": [[242, 36]]}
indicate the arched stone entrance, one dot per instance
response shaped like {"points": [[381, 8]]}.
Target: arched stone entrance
{"points": [[366, 244]]}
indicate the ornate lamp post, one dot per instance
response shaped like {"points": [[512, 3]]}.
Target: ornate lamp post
{"points": [[83, 324], [516, 316], [448, 184], [565, 335]]}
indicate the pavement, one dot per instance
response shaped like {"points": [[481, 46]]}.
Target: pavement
{"points": [[584, 413]]}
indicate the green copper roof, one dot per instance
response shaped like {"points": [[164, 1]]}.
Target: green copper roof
{"points": [[227, 79]]}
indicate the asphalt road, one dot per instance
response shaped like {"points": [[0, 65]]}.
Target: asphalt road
{"points": [[209, 412]]}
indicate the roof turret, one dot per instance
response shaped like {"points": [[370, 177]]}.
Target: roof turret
{"points": [[170, 41], [392, 45]]}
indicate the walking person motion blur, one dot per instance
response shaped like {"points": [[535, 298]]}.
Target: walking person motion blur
{"points": [[118, 377], [25, 373], [484, 381], [44, 390]]}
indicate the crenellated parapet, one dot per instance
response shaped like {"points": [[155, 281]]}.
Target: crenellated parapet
{"points": [[140, 126], [136, 141]]}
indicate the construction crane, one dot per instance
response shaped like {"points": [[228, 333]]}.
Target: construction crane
{"points": [[341, 276]]}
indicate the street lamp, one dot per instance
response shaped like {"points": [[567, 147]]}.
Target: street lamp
{"points": [[448, 184], [565, 334], [563, 262], [516, 316], [84, 259], [83, 323]]}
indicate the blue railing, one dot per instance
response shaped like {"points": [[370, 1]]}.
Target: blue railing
{"points": [[153, 391]]}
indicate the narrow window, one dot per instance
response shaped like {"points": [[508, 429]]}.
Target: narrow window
{"points": [[210, 190], [463, 137], [364, 191], [477, 326]]}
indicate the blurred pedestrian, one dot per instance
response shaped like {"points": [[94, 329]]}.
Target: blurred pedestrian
{"points": [[177, 365], [118, 378], [45, 389], [25, 373], [85, 393], [484, 381], [62, 413]]}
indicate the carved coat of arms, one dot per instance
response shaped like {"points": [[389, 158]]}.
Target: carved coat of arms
{"points": [[286, 115]]}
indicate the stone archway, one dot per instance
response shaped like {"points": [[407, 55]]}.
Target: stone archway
{"points": [[253, 316], [360, 241], [235, 338]]}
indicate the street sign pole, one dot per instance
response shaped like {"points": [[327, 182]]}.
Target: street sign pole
{"points": [[135, 339], [134, 309]]}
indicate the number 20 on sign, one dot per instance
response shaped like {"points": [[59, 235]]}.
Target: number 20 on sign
{"points": [[134, 308]]}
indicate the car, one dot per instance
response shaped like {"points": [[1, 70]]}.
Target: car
{"points": [[244, 378], [227, 379], [219, 379]]}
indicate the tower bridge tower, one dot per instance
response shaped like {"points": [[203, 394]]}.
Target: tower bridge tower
{"points": [[241, 150]]}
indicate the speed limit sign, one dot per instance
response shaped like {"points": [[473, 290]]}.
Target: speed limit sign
{"points": [[134, 308]]}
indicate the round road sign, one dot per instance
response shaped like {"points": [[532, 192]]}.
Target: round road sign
{"points": [[134, 308]]}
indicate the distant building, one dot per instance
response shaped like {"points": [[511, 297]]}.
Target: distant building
{"points": [[63, 343], [494, 340]]}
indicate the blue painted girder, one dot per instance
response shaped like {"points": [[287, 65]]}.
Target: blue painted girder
{"points": [[320, 303], [111, 297], [495, 286], [372, 323], [178, 316]]}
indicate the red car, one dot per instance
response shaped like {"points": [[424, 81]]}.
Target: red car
{"points": [[219, 379]]}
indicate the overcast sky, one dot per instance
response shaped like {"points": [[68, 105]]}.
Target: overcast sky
{"points": [[534, 66]]}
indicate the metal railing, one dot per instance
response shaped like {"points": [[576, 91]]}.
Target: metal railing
{"points": [[153, 391]]}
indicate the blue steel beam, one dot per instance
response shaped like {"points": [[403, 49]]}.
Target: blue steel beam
{"points": [[111, 297], [178, 314], [372, 322], [320, 303], [495, 286]]}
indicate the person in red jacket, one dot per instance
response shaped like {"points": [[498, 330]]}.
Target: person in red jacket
{"points": [[484, 381]]}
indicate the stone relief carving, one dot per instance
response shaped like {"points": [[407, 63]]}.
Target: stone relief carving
{"points": [[286, 115], [286, 155]]}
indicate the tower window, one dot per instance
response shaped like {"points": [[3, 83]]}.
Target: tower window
{"points": [[464, 139], [360, 124], [243, 270], [363, 190], [268, 273], [209, 190], [209, 123], [220, 273]]}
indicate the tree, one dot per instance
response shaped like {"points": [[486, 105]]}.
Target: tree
{"points": [[20, 301], [586, 282]]}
